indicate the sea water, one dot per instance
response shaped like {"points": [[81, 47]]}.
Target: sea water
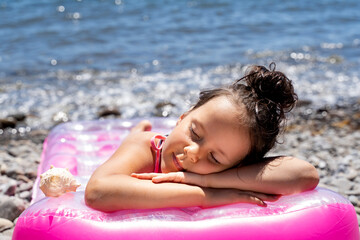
{"points": [[68, 59]]}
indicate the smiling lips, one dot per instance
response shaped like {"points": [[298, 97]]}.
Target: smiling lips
{"points": [[177, 163]]}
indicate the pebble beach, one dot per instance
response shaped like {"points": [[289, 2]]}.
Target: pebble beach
{"points": [[329, 138]]}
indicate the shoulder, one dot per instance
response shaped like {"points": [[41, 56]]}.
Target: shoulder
{"points": [[139, 139], [133, 155], [136, 146]]}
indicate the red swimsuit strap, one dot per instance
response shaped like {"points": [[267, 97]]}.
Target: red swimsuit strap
{"points": [[157, 148]]}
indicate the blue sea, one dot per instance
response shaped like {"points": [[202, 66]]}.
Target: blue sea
{"points": [[68, 60]]}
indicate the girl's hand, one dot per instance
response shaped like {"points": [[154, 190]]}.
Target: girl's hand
{"points": [[175, 177], [218, 196]]}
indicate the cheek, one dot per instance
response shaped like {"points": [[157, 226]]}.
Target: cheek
{"points": [[177, 136], [172, 143]]}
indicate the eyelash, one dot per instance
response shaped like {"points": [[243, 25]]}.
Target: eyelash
{"points": [[214, 159], [196, 137], [193, 134]]}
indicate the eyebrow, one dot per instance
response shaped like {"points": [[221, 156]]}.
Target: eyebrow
{"points": [[200, 125]]}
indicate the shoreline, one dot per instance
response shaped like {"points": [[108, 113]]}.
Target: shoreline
{"points": [[327, 137]]}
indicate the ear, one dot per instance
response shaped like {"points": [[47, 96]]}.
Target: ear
{"points": [[181, 117]]}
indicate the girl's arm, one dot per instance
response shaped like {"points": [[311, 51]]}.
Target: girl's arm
{"points": [[112, 188], [277, 175], [147, 195]]}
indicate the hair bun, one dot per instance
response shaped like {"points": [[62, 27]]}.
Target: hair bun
{"points": [[271, 85], [267, 95]]}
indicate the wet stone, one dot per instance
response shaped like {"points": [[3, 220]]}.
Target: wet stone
{"points": [[163, 109], [18, 117], [7, 123], [105, 112], [60, 117]]}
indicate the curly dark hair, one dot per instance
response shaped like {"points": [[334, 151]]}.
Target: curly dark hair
{"points": [[266, 95]]}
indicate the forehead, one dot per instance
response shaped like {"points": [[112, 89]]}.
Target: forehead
{"points": [[219, 119], [219, 111]]}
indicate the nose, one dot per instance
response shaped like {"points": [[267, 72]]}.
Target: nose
{"points": [[192, 152]]}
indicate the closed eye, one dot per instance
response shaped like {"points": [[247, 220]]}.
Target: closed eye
{"points": [[214, 159], [193, 134]]}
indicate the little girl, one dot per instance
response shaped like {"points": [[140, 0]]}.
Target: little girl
{"points": [[214, 155]]}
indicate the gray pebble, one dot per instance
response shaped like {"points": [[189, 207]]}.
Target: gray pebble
{"points": [[25, 195], [25, 187], [352, 174], [20, 150], [14, 170], [343, 184], [5, 224], [11, 207], [354, 200], [353, 192], [8, 186], [7, 233], [7, 123], [3, 168], [322, 164], [6, 157], [357, 209], [335, 152]]}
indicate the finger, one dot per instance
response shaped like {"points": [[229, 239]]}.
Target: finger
{"points": [[259, 202], [170, 177], [256, 200], [178, 177], [159, 179], [267, 197], [164, 178], [252, 198], [144, 175], [137, 175], [264, 197]]}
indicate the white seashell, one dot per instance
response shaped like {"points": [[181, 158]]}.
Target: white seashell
{"points": [[57, 181]]}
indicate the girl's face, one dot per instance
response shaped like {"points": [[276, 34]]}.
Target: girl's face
{"points": [[206, 140]]}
